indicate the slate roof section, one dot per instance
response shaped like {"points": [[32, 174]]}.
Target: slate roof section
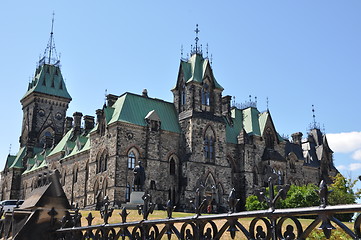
{"points": [[48, 80]]}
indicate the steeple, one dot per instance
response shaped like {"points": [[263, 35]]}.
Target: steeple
{"points": [[45, 102], [50, 55]]}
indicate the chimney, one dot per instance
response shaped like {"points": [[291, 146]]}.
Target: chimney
{"points": [[111, 99], [68, 124], [88, 122], [99, 113], [226, 105], [77, 122], [145, 93], [297, 138]]}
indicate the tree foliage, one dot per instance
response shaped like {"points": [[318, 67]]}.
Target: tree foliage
{"points": [[342, 192]]}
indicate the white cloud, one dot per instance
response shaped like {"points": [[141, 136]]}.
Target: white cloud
{"points": [[354, 166], [357, 155], [341, 167], [345, 142]]}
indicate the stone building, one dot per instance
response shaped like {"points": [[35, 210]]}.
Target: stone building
{"points": [[198, 141]]}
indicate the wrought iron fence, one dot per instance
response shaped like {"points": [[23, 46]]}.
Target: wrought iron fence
{"points": [[264, 224]]}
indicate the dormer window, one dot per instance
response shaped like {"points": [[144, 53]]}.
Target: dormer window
{"points": [[153, 121]]}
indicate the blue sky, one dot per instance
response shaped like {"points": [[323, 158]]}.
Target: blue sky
{"points": [[296, 53]]}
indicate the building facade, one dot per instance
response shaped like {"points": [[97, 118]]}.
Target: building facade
{"points": [[198, 142]]}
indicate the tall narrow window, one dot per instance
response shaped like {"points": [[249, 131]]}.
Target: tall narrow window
{"points": [[131, 160], [183, 95], [205, 95], [127, 193], [75, 175], [209, 143], [172, 167]]}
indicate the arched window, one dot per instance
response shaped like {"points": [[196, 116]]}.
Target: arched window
{"points": [[102, 161], [183, 95], [75, 175], [209, 141], [206, 94], [172, 166], [131, 160]]}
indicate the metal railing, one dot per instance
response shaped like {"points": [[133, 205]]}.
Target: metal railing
{"points": [[263, 224]]}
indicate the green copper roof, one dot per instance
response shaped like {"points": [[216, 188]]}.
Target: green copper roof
{"points": [[195, 68], [63, 143], [18, 161], [37, 162], [232, 131], [249, 119], [251, 122], [82, 144], [49, 80], [131, 108]]}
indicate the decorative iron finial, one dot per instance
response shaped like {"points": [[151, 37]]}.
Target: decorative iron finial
{"points": [[147, 208], [10, 149], [181, 51], [170, 208], [211, 59], [124, 214], [51, 37], [250, 98], [196, 39], [89, 219], [272, 199], [267, 101], [207, 50], [107, 212], [313, 116], [50, 56]]}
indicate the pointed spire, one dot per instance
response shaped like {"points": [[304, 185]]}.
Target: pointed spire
{"points": [[50, 55]]}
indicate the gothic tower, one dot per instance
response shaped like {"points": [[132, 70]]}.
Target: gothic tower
{"points": [[45, 103], [202, 117]]}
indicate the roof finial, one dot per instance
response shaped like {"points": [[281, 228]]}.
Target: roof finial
{"points": [[197, 39], [267, 101], [207, 50], [10, 149], [51, 37], [314, 116], [50, 56], [182, 51]]}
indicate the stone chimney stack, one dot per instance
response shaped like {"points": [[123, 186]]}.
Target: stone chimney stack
{"points": [[111, 99], [297, 138], [226, 105], [99, 113], [68, 124], [88, 122], [77, 122], [145, 93]]}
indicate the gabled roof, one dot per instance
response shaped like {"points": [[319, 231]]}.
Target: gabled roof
{"points": [[132, 108], [17, 161], [251, 120], [195, 68], [48, 80]]}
